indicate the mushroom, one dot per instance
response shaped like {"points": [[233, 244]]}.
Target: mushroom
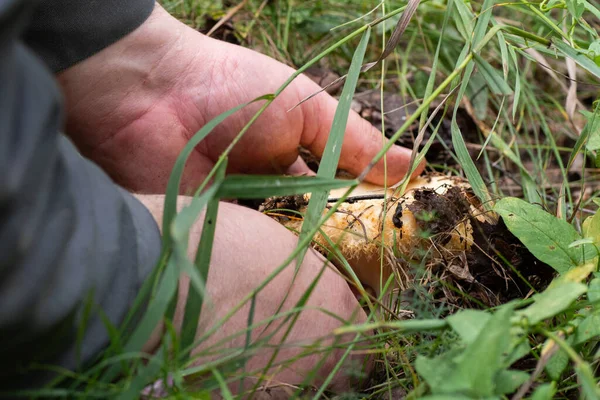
{"points": [[434, 219]]}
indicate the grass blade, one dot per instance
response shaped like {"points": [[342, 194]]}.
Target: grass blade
{"points": [[579, 58], [256, 187], [333, 148], [195, 300], [174, 183]]}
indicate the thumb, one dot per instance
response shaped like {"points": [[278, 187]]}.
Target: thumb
{"points": [[361, 141]]}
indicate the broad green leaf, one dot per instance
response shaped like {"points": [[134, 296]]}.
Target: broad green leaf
{"points": [[520, 350], [545, 391], [576, 7], [594, 290], [547, 237], [552, 301], [447, 397], [493, 78], [468, 323], [509, 381], [489, 348], [579, 273], [592, 129], [557, 365], [437, 371], [587, 329], [256, 187], [594, 51]]}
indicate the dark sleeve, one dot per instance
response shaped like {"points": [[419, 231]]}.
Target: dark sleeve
{"points": [[69, 237], [64, 32]]}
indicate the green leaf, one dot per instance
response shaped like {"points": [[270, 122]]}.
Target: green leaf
{"points": [[144, 376], [464, 22], [195, 298], [520, 350], [460, 371], [460, 148], [333, 148], [594, 51], [547, 237], [256, 187], [592, 129], [504, 54], [588, 329], [437, 371], [468, 323], [591, 8], [483, 21], [586, 377], [552, 301], [576, 8], [517, 95], [493, 78], [489, 349], [557, 365], [545, 391], [594, 290], [576, 56], [509, 381], [468, 165]]}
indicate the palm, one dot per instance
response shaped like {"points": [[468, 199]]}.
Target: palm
{"points": [[185, 90]]}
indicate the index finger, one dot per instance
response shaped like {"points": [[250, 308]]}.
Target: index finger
{"points": [[361, 142]]}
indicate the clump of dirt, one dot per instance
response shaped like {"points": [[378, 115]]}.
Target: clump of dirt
{"points": [[497, 268], [284, 206], [439, 214]]}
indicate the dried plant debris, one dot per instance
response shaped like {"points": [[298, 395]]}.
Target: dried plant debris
{"points": [[436, 234]]}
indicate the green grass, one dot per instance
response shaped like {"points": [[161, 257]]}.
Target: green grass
{"points": [[482, 54]]}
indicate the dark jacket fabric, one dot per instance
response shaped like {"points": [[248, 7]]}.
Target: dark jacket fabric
{"points": [[70, 239]]}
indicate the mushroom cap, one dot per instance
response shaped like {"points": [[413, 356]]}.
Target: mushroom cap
{"points": [[376, 221]]}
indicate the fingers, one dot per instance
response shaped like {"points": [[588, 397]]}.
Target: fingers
{"points": [[299, 168], [361, 142]]}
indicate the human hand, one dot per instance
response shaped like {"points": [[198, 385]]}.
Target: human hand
{"points": [[133, 107]]}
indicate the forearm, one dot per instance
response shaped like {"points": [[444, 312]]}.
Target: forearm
{"points": [[69, 237]]}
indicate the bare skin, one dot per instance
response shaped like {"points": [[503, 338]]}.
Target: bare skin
{"points": [[262, 245], [132, 108]]}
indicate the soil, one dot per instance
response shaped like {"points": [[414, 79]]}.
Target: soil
{"points": [[497, 269]]}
